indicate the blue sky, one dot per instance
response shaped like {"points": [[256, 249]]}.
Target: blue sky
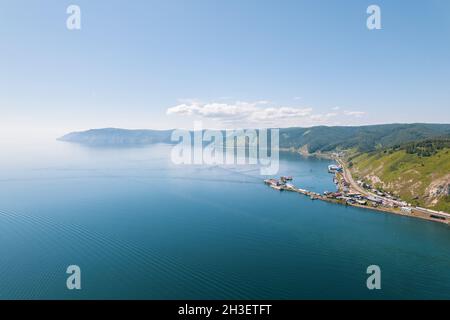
{"points": [[164, 64]]}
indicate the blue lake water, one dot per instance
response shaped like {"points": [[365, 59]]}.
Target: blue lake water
{"points": [[141, 227]]}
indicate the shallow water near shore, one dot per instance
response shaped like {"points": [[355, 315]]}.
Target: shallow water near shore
{"points": [[141, 227]]}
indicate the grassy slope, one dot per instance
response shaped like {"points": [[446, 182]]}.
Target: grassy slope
{"points": [[407, 175]]}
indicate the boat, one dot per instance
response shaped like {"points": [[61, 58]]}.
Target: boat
{"points": [[277, 187], [270, 181], [290, 186]]}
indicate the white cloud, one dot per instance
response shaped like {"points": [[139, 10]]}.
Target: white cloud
{"points": [[269, 114], [251, 112], [182, 109], [324, 117], [260, 113], [357, 114], [214, 110]]}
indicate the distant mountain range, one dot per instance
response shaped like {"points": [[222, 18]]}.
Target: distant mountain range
{"points": [[118, 137], [314, 139]]}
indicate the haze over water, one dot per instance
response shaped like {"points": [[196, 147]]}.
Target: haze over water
{"points": [[142, 227]]}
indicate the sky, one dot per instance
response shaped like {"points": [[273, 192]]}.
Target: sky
{"points": [[228, 63]]}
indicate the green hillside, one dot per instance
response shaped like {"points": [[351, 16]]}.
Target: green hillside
{"points": [[418, 172], [362, 138], [314, 139]]}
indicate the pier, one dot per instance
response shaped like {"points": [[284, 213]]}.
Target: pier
{"points": [[279, 185]]}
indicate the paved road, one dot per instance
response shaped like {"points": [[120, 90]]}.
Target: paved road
{"points": [[348, 177]]}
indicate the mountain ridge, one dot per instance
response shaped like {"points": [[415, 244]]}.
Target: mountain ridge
{"points": [[316, 139]]}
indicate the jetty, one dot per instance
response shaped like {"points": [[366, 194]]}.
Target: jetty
{"points": [[281, 185]]}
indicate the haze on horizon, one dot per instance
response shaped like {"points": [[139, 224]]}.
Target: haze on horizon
{"points": [[166, 64]]}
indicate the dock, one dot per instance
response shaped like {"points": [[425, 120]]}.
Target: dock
{"points": [[282, 186]]}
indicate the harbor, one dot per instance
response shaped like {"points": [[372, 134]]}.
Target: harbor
{"points": [[358, 194]]}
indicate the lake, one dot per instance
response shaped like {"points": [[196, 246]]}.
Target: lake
{"points": [[140, 227]]}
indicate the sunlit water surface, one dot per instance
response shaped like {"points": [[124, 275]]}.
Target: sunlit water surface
{"points": [[141, 227]]}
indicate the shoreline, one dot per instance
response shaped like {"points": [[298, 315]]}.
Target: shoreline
{"points": [[346, 178], [415, 212]]}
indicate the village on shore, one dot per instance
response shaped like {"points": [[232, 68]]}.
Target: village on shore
{"points": [[359, 194]]}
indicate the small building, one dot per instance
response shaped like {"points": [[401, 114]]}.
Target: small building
{"points": [[355, 195], [366, 186], [375, 200], [334, 168], [406, 209]]}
